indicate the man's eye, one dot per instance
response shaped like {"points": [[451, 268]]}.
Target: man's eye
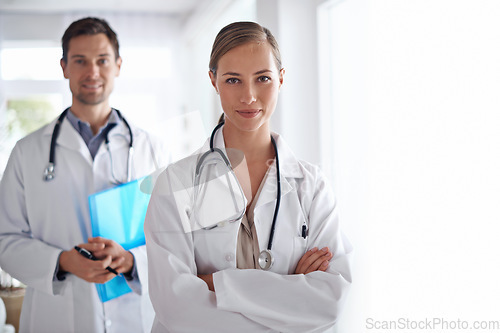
{"points": [[264, 79], [103, 61]]}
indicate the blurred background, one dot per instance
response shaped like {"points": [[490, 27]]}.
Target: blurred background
{"points": [[397, 100]]}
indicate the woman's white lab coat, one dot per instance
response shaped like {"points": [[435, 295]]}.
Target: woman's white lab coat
{"points": [[248, 300], [39, 219]]}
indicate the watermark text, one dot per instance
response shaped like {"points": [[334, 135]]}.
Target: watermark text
{"points": [[436, 323]]}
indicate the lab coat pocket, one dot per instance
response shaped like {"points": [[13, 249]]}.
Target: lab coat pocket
{"points": [[299, 248], [214, 249], [44, 306]]}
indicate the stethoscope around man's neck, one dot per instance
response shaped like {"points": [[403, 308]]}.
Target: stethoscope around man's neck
{"points": [[266, 258], [49, 172]]}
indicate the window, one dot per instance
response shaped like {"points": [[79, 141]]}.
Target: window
{"points": [[146, 63], [30, 63], [23, 115]]}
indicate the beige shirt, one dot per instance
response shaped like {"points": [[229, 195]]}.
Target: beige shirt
{"points": [[247, 253]]}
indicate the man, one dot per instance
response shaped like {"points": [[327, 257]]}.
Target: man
{"points": [[44, 215]]}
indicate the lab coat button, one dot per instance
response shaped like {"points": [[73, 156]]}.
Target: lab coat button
{"points": [[229, 257], [108, 323]]}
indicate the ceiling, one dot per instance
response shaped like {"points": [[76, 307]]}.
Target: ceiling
{"points": [[174, 7]]}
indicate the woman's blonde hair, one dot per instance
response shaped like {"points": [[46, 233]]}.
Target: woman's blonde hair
{"points": [[239, 33]]}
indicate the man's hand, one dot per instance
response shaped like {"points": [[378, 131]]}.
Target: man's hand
{"points": [[108, 252], [91, 271], [314, 260], [122, 261]]}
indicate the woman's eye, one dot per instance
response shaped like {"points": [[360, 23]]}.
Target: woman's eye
{"points": [[264, 79], [232, 80]]}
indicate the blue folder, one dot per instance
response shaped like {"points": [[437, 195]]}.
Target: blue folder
{"points": [[118, 214]]}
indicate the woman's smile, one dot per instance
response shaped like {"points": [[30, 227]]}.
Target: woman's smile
{"points": [[249, 113]]}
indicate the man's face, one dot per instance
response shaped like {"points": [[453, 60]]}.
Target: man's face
{"points": [[91, 69]]}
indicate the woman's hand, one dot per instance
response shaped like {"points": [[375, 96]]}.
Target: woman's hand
{"points": [[208, 280], [314, 260]]}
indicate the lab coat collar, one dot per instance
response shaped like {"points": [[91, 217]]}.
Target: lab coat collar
{"points": [[120, 131], [68, 138], [289, 164], [71, 139], [289, 168]]}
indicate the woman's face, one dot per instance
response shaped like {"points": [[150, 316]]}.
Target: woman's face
{"points": [[248, 82]]}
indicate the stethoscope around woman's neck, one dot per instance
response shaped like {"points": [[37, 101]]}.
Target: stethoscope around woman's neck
{"points": [[266, 258], [49, 172]]}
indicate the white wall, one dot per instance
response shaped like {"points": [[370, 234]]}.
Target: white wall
{"points": [[415, 144]]}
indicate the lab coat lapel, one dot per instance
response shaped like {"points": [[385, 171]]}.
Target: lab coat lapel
{"points": [[266, 203], [119, 137], [289, 164], [69, 138], [289, 168]]}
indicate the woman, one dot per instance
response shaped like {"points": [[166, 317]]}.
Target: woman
{"points": [[228, 277]]}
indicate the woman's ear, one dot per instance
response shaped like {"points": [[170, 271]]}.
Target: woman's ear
{"points": [[213, 79], [282, 73]]}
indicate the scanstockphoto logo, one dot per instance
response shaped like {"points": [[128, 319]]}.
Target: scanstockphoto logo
{"points": [[437, 324]]}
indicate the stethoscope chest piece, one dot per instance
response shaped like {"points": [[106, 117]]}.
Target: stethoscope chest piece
{"points": [[49, 174], [266, 260]]}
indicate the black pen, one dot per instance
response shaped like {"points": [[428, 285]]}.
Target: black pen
{"points": [[304, 230], [87, 254]]}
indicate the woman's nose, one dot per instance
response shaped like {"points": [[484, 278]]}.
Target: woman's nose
{"points": [[248, 95]]}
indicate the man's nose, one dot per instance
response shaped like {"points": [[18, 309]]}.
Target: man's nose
{"points": [[92, 70]]}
